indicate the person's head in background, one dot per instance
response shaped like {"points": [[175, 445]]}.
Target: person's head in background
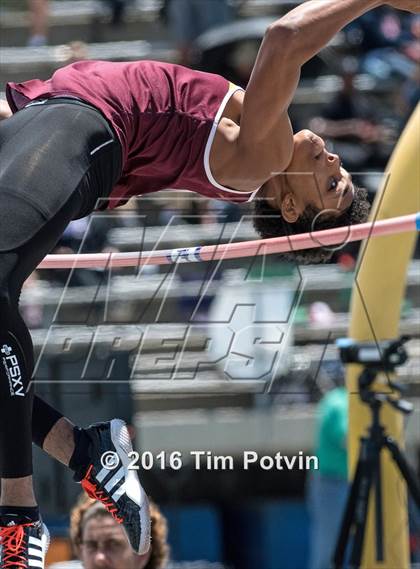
{"points": [[100, 542]]}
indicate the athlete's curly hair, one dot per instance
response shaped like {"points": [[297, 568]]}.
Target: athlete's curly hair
{"points": [[268, 222], [87, 508]]}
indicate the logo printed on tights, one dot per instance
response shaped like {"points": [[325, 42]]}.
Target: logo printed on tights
{"points": [[13, 372], [6, 350]]}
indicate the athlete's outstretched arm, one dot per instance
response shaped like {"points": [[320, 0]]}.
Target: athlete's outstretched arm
{"points": [[288, 43]]}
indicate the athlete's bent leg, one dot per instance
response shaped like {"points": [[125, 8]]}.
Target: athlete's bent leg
{"points": [[34, 217], [58, 160], [16, 357], [16, 364]]}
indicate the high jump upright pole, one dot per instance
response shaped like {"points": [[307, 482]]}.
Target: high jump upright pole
{"points": [[377, 296]]}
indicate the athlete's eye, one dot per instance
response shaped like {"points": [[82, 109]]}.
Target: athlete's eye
{"points": [[333, 184]]}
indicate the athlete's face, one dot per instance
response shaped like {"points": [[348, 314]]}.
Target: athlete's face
{"points": [[105, 546], [315, 176]]}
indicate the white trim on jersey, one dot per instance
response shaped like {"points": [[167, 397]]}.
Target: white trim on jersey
{"points": [[210, 139]]}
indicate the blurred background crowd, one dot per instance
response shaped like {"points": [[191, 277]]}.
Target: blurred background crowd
{"points": [[232, 355]]}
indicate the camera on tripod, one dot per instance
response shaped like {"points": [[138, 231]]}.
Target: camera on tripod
{"points": [[375, 358], [381, 356]]}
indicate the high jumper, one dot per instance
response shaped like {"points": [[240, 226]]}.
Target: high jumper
{"points": [[115, 130]]}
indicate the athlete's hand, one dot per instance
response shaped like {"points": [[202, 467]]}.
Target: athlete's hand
{"points": [[5, 111], [412, 6]]}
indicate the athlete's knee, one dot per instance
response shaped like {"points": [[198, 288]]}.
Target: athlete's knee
{"points": [[8, 263], [6, 307], [16, 356]]}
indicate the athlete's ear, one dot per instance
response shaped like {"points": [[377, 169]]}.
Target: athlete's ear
{"points": [[289, 210]]}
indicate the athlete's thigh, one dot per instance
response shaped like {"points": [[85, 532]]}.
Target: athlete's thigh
{"points": [[17, 263], [45, 152]]}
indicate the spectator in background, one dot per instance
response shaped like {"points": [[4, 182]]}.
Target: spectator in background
{"points": [[85, 235], [117, 8], [100, 543], [5, 111], [409, 94], [38, 10], [350, 123], [188, 19], [32, 311], [328, 486], [242, 61], [389, 43]]}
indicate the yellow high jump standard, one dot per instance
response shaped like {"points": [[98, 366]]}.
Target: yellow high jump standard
{"points": [[377, 295]]}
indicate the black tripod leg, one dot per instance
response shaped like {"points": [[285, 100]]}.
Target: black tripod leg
{"points": [[348, 517], [379, 529], [362, 507], [353, 505], [405, 469]]}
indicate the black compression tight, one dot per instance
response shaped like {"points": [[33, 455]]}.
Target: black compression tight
{"points": [[56, 160], [24, 418]]}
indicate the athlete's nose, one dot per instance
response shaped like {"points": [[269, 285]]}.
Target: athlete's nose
{"points": [[333, 158], [334, 163]]}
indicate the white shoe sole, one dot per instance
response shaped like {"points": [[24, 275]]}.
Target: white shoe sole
{"points": [[122, 442], [45, 540]]}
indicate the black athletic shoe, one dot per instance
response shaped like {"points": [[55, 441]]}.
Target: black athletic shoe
{"points": [[22, 545], [109, 480]]}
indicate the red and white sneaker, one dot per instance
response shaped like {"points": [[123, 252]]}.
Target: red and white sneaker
{"points": [[22, 545], [109, 480]]}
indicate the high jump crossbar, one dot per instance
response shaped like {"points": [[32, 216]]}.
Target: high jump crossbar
{"points": [[325, 238]]}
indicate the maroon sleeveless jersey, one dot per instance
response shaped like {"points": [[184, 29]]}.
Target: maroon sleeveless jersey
{"points": [[165, 117]]}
